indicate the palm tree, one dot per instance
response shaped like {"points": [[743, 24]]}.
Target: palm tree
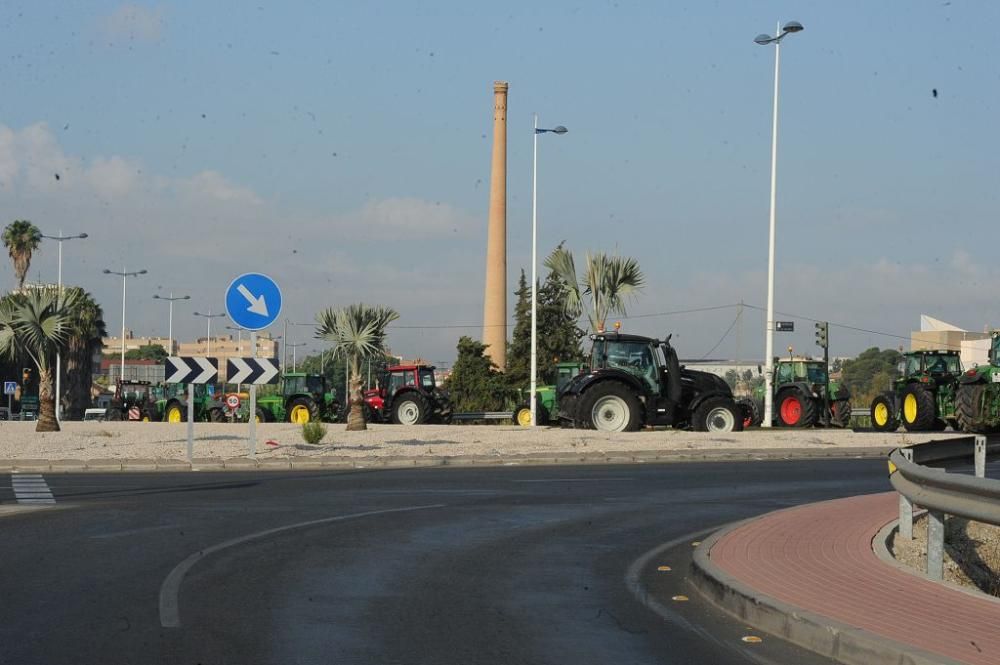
{"points": [[357, 333], [21, 238], [86, 330], [608, 280], [35, 324]]}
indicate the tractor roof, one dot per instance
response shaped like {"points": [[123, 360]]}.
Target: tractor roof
{"points": [[407, 368], [622, 337], [932, 352]]}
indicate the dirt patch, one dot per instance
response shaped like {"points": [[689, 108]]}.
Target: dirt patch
{"points": [[971, 556]]}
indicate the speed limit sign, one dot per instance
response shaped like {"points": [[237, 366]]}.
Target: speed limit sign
{"points": [[233, 401]]}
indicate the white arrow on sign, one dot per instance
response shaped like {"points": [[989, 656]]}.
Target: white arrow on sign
{"points": [[269, 372], [243, 371], [208, 371], [257, 304]]}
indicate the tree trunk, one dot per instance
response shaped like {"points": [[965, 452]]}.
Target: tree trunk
{"points": [[356, 416], [46, 403]]}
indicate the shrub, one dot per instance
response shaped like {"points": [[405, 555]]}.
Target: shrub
{"points": [[313, 432]]}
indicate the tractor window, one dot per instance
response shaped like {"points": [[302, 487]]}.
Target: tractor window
{"points": [[784, 373], [816, 373], [635, 358], [315, 385], [294, 385], [598, 355], [912, 365], [427, 378], [397, 380], [995, 352]]}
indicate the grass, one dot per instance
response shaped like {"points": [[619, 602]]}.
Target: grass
{"points": [[313, 432]]}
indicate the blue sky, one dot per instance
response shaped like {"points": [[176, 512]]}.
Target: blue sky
{"points": [[344, 149]]}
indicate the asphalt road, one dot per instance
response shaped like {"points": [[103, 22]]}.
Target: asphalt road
{"points": [[500, 566]]}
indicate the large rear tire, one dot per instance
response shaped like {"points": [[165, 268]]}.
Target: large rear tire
{"points": [[969, 408], [410, 409], [795, 409], [918, 411], [840, 413], [752, 416], [882, 416], [303, 410], [718, 414], [610, 406]]}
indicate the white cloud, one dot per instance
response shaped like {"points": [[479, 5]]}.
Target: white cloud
{"points": [[113, 177], [134, 22], [412, 217], [214, 186]]}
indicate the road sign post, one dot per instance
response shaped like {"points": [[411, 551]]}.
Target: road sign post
{"points": [[253, 302], [190, 442], [190, 371], [9, 388]]}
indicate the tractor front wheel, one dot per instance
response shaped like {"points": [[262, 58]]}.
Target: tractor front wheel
{"points": [[882, 417], [174, 413], [718, 414], [752, 416], [918, 409], [217, 415], [795, 410], [522, 416], [410, 409]]}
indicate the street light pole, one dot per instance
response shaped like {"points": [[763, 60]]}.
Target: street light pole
{"points": [[60, 239], [295, 346], [559, 129], [124, 275], [170, 319], [763, 40], [208, 340]]}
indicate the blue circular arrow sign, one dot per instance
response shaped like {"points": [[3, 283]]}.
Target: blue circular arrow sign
{"points": [[253, 301]]}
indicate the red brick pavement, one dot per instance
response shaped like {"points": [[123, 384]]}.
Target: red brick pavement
{"points": [[819, 558]]}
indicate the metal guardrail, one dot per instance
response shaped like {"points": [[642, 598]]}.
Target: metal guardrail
{"points": [[942, 493], [483, 415]]}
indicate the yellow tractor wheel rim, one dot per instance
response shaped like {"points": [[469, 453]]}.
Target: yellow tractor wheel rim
{"points": [[174, 415], [300, 414], [257, 418], [881, 414], [524, 417], [910, 408]]}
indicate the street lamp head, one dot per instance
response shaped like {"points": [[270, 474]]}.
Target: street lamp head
{"points": [[185, 297], [142, 272], [792, 26], [107, 272], [82, 235], [763, 39], [156, 297], [559, 129]]}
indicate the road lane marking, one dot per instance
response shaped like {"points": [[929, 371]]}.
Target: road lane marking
{"points": [[129, 532], [171, 587], [568, 480], [31, 488]]}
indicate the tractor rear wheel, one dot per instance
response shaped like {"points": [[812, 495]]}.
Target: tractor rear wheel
{"points": [[752, 416], [969, 407], [302, 410], [410, 409], [718, 414], [918, 410], [261, 415], [610, 406], [216, 415], [882, 417], [114, 414], [840, 413], [522, 416], [795, 410]]}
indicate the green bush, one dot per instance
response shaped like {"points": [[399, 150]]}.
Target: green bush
{"points": [[313, 432]]}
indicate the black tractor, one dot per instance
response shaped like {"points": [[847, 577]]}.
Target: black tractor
{"points": [[637, 381]]}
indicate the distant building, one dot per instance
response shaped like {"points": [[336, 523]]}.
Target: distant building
{"points": [[935, 334], [113, 345]]}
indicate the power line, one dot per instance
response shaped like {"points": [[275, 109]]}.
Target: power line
{"points": [[724, 335]]}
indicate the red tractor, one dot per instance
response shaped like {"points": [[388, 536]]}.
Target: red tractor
{"points": [[407, 395]]}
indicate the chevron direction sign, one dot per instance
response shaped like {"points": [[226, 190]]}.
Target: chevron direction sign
{"points": [[251, 370], [191, 370]]}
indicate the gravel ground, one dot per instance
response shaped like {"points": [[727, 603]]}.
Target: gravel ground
{"points": [[91, 440], [972, 553]]}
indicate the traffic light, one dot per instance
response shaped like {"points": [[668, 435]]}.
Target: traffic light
{"points": [[822, 339]]}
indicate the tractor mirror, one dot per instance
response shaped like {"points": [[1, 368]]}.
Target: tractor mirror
{"points": [[760, 370]]}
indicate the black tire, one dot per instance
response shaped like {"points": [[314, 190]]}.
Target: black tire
{"points": [[216, 415], [409, 409], [840, 413], [295, 407], [969, 408], [795, 409], [752, 416], [261, 415], [883, 417], [613, 406], [917, 409], [718, 414], [541, 414], [114, 414]]}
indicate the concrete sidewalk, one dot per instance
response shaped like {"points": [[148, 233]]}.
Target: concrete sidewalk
{"points": [[810, 574]]}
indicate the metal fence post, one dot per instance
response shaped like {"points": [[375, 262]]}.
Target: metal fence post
{"points": [[906, 506], [935, 544], [980, 456]]}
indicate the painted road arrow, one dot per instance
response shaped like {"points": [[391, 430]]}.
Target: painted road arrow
{"points": [[251, 370], [191, 370]]}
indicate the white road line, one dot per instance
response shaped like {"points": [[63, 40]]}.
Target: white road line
{"points": [[569, 480], [31, 488], [171, 587], [130, 532]]}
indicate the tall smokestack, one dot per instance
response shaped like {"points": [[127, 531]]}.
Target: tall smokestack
{"points": [[495, 300]]}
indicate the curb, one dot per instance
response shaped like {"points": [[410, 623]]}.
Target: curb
{"points": [[331, 462], [843, 643]]}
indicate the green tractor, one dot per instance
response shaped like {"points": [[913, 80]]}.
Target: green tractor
{"points": [[924, 397], [171, 407], [978, 402], [545, 396], [804, 396], [302, 398]]}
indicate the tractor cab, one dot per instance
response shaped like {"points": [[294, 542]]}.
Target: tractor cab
{"points": [[134, 400], [918, 364], [304, 384], [637, 356]]}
